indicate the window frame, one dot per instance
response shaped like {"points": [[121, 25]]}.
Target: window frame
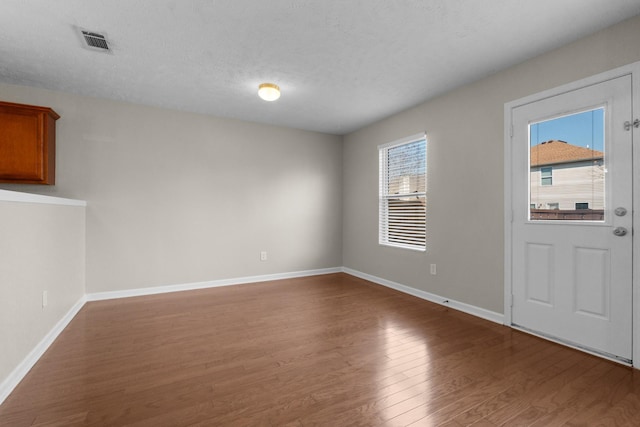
{"points": [[549, 177], [384, 196]]}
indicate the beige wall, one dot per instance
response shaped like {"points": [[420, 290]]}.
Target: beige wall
{"points": [[42, 248], [465, 198], [176, 198]]}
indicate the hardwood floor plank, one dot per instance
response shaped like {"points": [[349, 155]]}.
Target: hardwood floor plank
{"points": [[560, 373], [590, 390], [330, 350], [624, 412], [449, 407]]}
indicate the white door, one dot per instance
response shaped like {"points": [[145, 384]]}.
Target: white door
{"points": [[571, 235]]}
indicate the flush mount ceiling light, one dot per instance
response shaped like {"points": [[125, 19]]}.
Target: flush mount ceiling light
{"points": [[269, 91]]}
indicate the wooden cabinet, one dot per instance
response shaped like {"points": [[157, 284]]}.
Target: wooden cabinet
{"points": [[27, 144]]}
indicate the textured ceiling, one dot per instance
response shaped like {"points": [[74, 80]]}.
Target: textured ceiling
{"points": [[341, 64]]}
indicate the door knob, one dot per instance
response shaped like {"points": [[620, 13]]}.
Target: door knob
{"points": [[620, 211], [620, 231]]}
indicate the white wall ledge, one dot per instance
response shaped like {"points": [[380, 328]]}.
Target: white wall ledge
{"points": [[15, 196]]}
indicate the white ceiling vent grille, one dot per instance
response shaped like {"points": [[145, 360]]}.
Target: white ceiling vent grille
{"points": [[95, 41]]}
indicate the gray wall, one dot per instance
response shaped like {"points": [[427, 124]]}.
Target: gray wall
{"points": [[42, 248], [465, 133], [176, 198]]}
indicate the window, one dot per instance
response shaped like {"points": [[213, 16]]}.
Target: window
{"points": [[573, 148], [546, 176], [403, 193]]}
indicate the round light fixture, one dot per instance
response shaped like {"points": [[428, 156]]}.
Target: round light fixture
{"points": [[269, 91]]}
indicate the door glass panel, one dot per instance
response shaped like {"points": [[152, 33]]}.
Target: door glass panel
{"points": [[567, 168]]}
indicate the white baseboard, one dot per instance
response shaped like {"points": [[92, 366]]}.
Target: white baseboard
{"points": [[99, 296], [25, 366], [457, 305]]}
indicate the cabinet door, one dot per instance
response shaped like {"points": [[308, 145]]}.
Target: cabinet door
{"points": [[27, 144]]}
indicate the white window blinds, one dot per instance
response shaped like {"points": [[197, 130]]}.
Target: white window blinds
{"points": [[403, 193]]}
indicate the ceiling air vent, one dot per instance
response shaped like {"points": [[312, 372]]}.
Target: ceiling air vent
{"points": [[95, 41]]}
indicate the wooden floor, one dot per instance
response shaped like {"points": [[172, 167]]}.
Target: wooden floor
{"points": [[328, 350]]}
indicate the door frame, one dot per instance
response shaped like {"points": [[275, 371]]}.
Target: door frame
{"points": [[632, 70]]}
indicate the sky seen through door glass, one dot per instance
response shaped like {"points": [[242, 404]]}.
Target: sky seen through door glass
{"points": [[582, 129]]}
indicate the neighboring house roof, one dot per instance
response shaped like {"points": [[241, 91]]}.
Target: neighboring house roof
{"points": [[554, 152]]}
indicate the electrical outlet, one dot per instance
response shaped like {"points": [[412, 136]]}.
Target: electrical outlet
{"points": [[433, 269], [45, 299], [263, 256]]}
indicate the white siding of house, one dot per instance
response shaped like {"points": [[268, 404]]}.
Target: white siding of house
{"points": [[573, 183]]}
